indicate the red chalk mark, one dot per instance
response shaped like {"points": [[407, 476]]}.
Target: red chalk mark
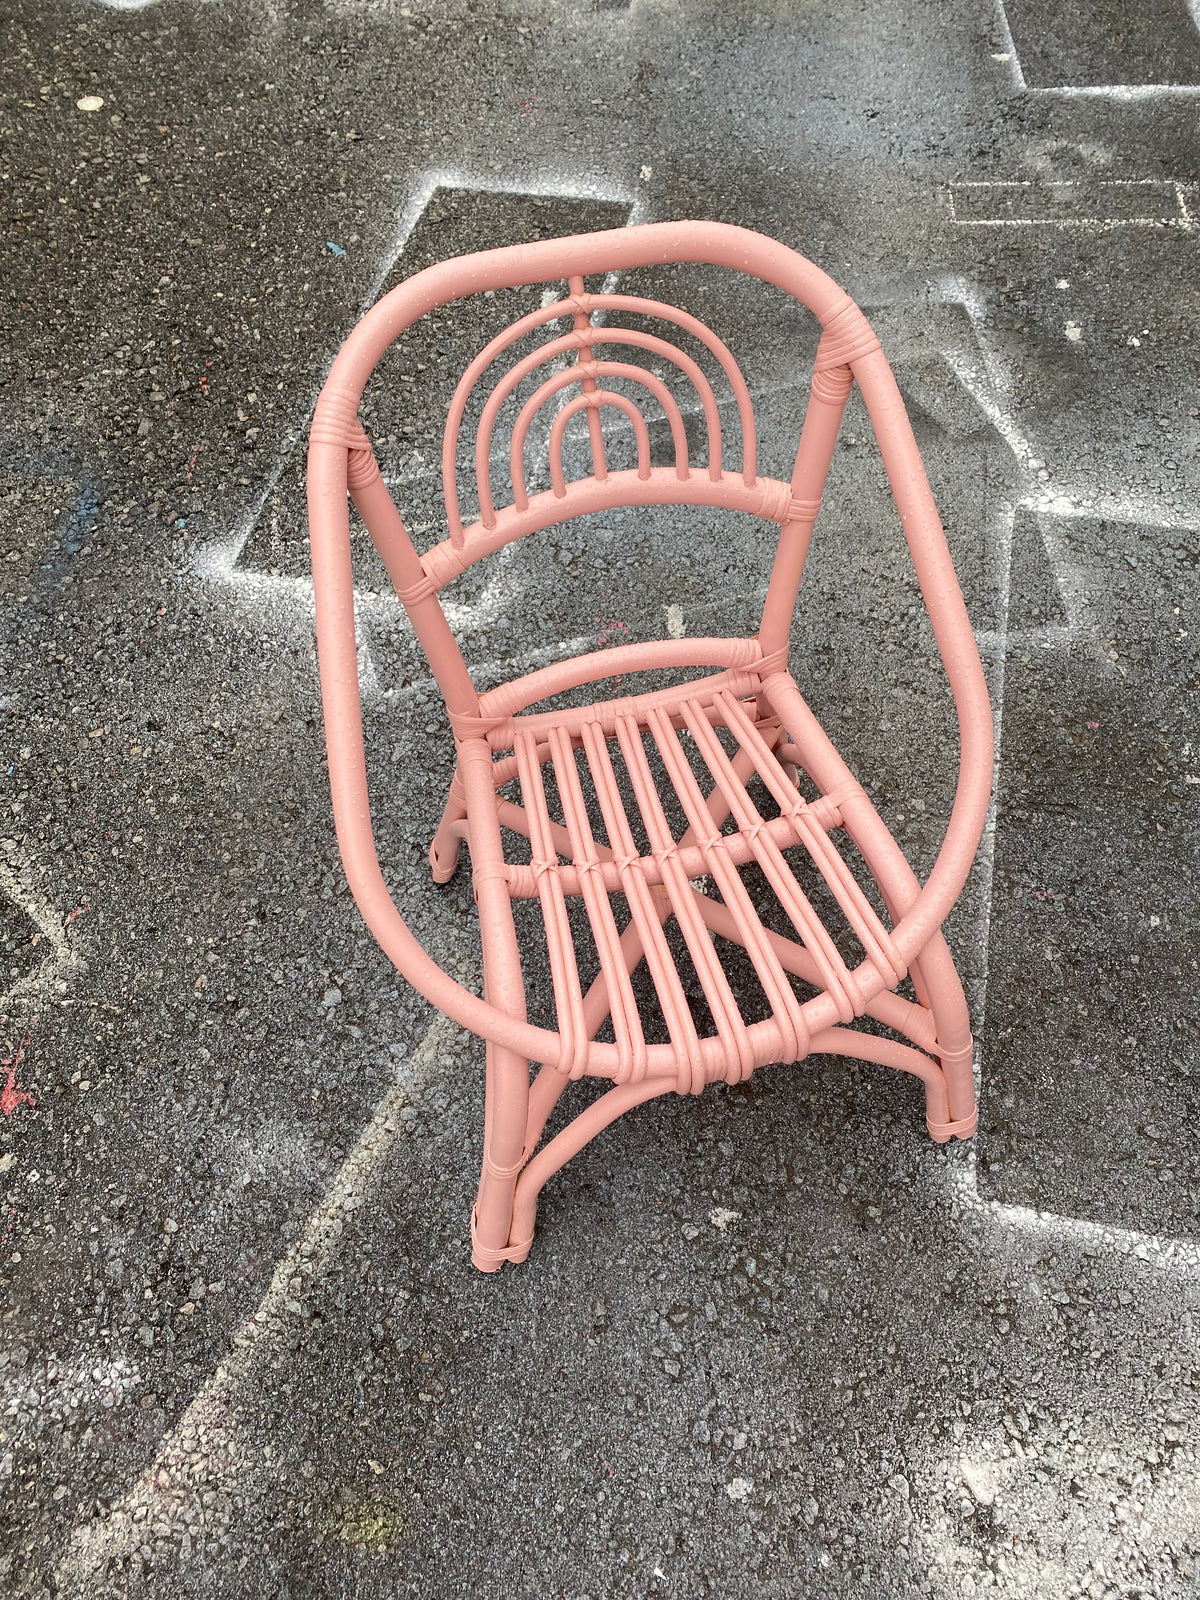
{"points": [[612, 632], [12, 1095], [1093, 724], [71, 915], [204, 396], [531, 110]]}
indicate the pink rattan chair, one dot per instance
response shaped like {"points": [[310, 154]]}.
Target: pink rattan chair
{"points": [[720, 738]]}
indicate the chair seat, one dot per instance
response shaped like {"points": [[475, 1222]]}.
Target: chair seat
{"points": [[642, 801]]}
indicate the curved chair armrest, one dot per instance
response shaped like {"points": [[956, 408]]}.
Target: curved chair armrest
{"points": [[333, 585], [956, 643]]}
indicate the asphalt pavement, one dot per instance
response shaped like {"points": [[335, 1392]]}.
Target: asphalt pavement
{"points": [[771, 1341]]}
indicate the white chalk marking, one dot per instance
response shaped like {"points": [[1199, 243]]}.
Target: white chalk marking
{"points": [[202, 1449], [1112, 91], [60, 961], [217, 562], [1156, 1250], [1048, 197], [1008, 48]]}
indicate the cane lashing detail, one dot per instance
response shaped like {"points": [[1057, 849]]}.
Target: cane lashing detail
{"points": [[572, 808]]}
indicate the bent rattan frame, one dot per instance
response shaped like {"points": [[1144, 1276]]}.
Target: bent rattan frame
{"points": [[750, 695]]}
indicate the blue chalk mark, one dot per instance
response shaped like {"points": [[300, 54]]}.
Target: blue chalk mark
{"points": [[334, 249], [82, 522]]}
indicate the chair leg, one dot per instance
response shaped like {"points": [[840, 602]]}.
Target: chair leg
{"points": [[505, 1117], [447, 841], [545, 1092], [939, 990], [612, 1104], [955, 1048]]}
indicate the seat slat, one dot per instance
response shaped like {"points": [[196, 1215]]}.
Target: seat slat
{"points": [[560, 943], [731, 1026], [835, 976], [771, 974], [858, 910], [647, 920], [623, 1007]]}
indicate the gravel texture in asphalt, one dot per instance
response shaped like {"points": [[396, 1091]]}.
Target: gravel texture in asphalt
{"points": [[771, 1341]]}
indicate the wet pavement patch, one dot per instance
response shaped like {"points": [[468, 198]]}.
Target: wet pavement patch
{"points": [[771, 1340], [1105, 42], [1090, 1061]]}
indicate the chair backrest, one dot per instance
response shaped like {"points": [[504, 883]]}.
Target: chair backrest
{"points": [[591, 370]]}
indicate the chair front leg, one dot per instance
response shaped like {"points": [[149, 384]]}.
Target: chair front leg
{"points": [[503, 1156]]}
